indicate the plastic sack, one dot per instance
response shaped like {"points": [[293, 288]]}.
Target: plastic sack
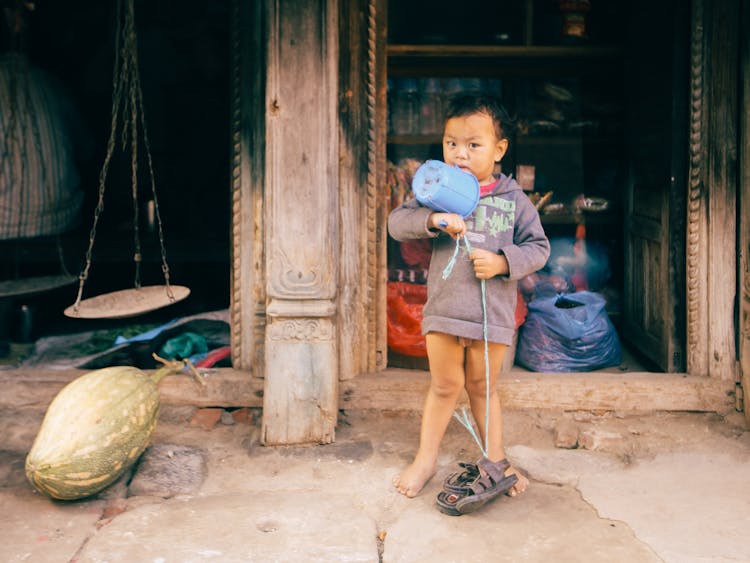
{"points": [[568, 333], [404, 311], [183, 346], [521, 309], [417, 252]]}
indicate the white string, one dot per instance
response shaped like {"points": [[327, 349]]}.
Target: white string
{"points": [[464, 417]]}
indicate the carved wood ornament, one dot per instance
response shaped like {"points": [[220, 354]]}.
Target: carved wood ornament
{"points": [[696, 290]]}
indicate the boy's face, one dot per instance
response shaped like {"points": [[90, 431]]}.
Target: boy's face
{"points": [[470, 142]]}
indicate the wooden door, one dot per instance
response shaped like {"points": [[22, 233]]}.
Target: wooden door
{"points": [[656, 125]]}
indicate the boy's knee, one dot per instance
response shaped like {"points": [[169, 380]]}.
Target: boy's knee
{"points": [[446, 389], [477, 387]]}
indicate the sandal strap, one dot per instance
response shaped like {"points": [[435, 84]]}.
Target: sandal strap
{"points": [[494, 469]]}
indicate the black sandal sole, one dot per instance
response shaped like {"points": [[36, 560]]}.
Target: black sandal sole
{"points": [[456, 504]]}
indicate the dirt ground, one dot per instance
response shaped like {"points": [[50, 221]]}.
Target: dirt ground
{"points": [[336, 503]]}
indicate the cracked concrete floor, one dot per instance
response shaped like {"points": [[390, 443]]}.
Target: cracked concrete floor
{"points": [[661, 487]]}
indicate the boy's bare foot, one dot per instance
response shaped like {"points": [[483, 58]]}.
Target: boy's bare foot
{"points": [[413, 478], [521, 485]]}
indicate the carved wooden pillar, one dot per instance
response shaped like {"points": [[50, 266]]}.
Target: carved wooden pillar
{"points": [[301, 222]]}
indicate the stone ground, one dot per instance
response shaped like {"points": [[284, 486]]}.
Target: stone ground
{"points": [[660, 487]]}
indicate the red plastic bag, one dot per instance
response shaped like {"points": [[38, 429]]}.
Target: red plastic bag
{"points": [[417, 253], [405, 303], [521, 309], [404, 312]]}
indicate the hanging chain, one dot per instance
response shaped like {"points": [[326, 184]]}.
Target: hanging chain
{"points": [[126, 86], [138, 107], [131, 55]]}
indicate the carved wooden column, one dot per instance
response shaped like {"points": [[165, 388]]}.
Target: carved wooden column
{"points": [[301, 222]]}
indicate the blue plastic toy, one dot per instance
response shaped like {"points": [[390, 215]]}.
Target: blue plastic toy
{"points": [[446, 188]]}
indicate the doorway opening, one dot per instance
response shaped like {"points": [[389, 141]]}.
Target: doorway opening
{"points": [[183, 52], [577, 150]]}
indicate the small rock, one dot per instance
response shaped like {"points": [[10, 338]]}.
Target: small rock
{"points": [[593, 439], [566, 434], [166, 470], [587, 440], [227, 418]]}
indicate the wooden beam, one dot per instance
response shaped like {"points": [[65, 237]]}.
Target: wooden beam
{"points": [[395, 389], [404, 390], [225, 387]]}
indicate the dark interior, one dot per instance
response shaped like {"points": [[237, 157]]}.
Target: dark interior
{"points": [[183, 57], [564, 71]]}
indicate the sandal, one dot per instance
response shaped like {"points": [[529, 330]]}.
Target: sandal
{"points": [[489, 484], [459, 482]]}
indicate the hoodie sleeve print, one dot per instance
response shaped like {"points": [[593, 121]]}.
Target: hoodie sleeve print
{"points": [[530, 249], [409, 222]]}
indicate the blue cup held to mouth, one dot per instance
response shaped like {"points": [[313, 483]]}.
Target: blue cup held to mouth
{"points": [[446, 188]]}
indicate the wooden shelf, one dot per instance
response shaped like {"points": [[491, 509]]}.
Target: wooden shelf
{"points": [[505, 51], [503, 60]]}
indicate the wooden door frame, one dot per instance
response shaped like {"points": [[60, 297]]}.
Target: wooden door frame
{"points": [[362, 74], [247, 163], [743, 227], [712, 197], [711, 365]]}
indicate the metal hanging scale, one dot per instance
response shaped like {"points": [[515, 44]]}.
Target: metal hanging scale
{"points": [[128, 100]]}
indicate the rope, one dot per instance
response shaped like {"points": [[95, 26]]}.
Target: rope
{"points": [[127, 108], [464, 418]]}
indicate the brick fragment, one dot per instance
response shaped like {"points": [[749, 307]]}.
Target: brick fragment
{"points": [[206, 418], [243, 416]]}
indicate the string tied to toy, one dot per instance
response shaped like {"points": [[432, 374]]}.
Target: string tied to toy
{"points": [[464, 417]]}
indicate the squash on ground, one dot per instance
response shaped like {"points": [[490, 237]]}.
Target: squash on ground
{"points": [[94, 430]]}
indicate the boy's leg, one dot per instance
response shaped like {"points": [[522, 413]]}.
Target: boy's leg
{"points": [[476, 378], [446, 358]]}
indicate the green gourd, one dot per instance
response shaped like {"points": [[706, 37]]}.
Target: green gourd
{"points": [[94, 429]]}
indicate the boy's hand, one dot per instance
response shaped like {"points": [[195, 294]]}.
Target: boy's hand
{"points": [[450, 223], [488, 264]]}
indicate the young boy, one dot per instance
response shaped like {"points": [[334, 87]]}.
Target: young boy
{"points": [[507, 242]]}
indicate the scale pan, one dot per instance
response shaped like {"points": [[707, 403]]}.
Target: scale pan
{"points": [[127, 302], [30, 286]]}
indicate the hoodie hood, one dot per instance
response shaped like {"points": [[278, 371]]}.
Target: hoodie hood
{"points": [[504, 185]]}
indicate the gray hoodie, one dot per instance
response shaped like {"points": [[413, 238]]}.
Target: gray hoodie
{"points": [[504, 221]]}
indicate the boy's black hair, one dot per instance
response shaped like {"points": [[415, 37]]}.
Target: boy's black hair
{"points": [[467, 103]]}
